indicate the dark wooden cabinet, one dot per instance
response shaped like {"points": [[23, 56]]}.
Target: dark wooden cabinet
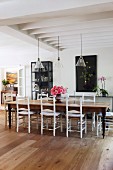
{"points": [[41, 79]]}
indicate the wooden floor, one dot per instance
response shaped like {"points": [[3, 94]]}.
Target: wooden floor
{"points": [[22, 151]]}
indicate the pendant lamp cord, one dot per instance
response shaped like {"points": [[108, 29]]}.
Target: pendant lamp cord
{"points": [[38, 48], [81, 44], [58, 49]]}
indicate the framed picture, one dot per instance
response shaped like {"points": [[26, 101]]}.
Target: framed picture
{"points": [[86, 77], [12, 77]]}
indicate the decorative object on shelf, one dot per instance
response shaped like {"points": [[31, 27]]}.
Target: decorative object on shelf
{"points": [[58, 63], [36, 87], [101, 91], [38, 62], [102, 79], [81, 61], [97, 90], [5, 83], [58, 90]]}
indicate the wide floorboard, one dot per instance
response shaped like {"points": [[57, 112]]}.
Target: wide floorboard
{"points": [[23, 151]]}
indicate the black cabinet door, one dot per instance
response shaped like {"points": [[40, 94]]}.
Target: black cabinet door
{"points": [[41, 79]]}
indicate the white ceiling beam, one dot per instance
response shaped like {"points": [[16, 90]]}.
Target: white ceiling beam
{"points": [[83, 31], [69, 20], [24, 37]]}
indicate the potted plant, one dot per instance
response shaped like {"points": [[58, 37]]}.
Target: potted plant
{"points": [[96, 89], [5, 83], [103, 92], [99, 91]]}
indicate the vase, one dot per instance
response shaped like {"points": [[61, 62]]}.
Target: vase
{"points": [[58, 98], [103, 95], [5, 88]]}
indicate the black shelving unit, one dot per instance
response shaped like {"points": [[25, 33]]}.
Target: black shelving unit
{"points": [[41, 79]]}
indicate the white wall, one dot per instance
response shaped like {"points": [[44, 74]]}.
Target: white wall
{"points": [[104, 67], [11, 59], [66, 76]]}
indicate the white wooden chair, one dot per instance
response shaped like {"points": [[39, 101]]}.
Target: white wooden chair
{"points": [[23, 110], [79, 121], [108, 122], [50, 119], [42, 94], [8, 97], [90, 97], [39, 95]]}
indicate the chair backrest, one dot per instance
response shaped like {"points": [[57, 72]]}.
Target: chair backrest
{"points": [[22, 104], [48, 105], [39, 95], [7, 97], [88, 97], [71, 102]]}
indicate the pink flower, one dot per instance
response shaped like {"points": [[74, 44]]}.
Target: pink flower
{"points": [[58, 90], [102, 78]]}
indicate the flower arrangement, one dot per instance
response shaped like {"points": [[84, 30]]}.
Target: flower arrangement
{"points": [[101, 91], [56, 90], [102, 79]]}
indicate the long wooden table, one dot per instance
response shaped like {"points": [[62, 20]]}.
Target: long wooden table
{"points": [[87, 107]]}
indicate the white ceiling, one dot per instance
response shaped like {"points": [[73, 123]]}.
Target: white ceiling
{"points": [[47, 19]]}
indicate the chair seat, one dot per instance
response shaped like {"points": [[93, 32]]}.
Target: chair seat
{"points": [[108, 114], [12, 110], [74, 111], [49, 113], [22, 109], [26, 113], [75, 115]]}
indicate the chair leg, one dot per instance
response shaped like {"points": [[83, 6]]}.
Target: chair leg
{"points": [[42, 124], [28, 123], [37, 120], [81, 129], [97, 125], [100, 123], [70, 124], [54, 125], [85, 124], [17, 127], [15, 118], [94, 119], [67, 127], [61, 125], [6, 114]]}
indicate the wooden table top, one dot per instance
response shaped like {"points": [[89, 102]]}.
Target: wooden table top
{"points": [[63, 103]]}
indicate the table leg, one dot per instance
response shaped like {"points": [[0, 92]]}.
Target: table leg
{"points": [[9, 110], [112, 104], [103, 121]]}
